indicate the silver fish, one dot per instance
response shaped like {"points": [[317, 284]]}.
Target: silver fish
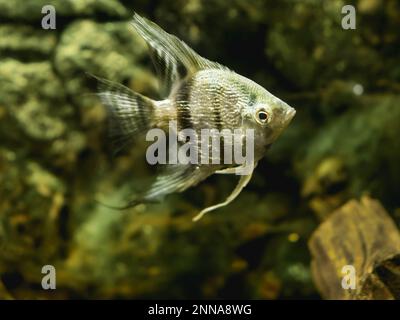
{"points": [[199, 94]]}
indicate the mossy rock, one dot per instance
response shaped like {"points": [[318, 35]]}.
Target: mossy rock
{"points": [[34, 99], [26, 42], [31, 10]]}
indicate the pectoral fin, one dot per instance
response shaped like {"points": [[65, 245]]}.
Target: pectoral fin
{"points": [[228, 170], [176, 178]]}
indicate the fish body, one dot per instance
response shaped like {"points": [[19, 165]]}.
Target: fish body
{"points": [[198, 94]]}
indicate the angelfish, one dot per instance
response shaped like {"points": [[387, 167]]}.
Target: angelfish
{"points": [[199, 94]]}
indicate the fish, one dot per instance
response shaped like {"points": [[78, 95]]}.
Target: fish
{"points": [[197, 94]]}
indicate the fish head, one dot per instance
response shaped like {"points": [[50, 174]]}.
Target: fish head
{"points": [[270, 115]]}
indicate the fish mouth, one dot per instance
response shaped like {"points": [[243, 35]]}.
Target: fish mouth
{"points": [[287, 116], [290, 113]]}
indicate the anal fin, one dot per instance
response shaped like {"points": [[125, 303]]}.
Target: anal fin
{"points": [[176, 178]]}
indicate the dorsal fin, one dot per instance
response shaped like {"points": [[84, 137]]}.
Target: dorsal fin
{"points": [[173, 58]]}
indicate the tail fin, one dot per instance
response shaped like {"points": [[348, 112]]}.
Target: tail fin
{"points": [[129, 112]]}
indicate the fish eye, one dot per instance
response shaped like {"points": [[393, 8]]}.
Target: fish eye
{"points": [[262, 116]]}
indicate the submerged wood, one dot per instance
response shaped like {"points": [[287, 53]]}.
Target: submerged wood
{"points": [[359, 234]]}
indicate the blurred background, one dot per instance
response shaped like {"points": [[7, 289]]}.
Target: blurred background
{"points": [[56, 163]]}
